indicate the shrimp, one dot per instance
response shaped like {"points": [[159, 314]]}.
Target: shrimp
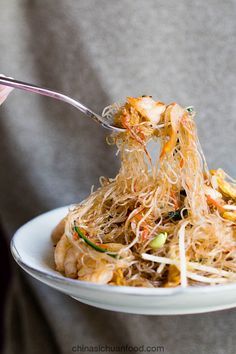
{"points": [[60, 252], [100, 271], [148, 108], [99, 276], [58, 231], [71, 263], [67, 258]]}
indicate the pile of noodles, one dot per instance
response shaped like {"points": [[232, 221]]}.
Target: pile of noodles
{"points": [[126, 213]]}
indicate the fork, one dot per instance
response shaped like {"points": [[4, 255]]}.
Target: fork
{"points": [[59, 96]]}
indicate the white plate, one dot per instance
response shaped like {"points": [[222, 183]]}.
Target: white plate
{"points": [[32, 249]]}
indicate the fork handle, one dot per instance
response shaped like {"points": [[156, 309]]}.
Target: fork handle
{"points": [[50, 93]]}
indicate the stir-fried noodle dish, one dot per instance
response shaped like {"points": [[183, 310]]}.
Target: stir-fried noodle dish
{"points": [[161, 222]]}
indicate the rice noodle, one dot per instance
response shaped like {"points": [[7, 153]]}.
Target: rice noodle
{"points": [[149, 196]]}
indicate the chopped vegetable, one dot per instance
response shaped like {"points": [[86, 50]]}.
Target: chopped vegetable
{"points": [[230, 215], [175, 199], [176, 215], [92, 244], [158, 241], [174, 113], [190, 109], [225, 187], [145, 234], [216, 203]]}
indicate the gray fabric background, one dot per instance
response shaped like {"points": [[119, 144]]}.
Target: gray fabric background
{"points": [[100, 51]]}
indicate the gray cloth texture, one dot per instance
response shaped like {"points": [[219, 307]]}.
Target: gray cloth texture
{"points": [[101, 51]]}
